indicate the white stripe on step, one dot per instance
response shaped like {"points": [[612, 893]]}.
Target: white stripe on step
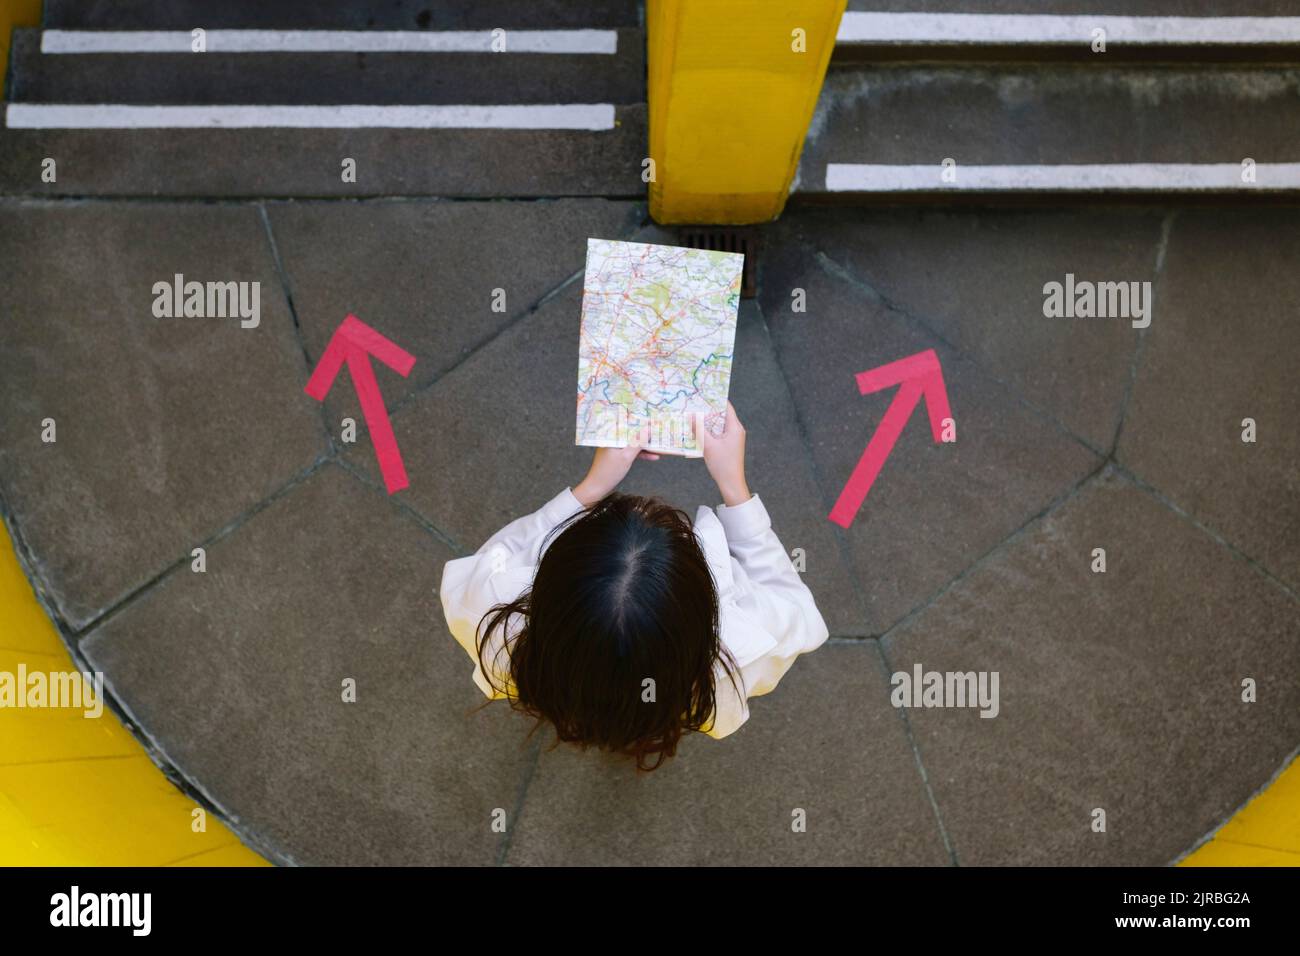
{"points": [[1179, 177], [1032, 29], [329, 41], [588, 116]]}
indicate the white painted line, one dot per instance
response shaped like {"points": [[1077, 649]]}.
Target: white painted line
{"points": [[1101, 177], [585, 116], [329, 41], [1043, 29]]}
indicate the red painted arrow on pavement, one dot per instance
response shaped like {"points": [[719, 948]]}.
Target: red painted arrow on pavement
{"points": [[918, 375], [354, 342]]}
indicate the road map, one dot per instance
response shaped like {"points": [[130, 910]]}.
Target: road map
{"points": [[658, 330]]}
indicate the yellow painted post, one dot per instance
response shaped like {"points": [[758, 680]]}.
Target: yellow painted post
{"points": [[15, 13], [732, 89]]}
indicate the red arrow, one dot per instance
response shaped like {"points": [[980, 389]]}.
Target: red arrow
{"points": [[918, 375], [354, 342]]}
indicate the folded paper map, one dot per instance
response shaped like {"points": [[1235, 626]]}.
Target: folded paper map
{"points": [[658, 330]]}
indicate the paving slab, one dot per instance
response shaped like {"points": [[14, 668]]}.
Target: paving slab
{"points": [[494, 440], [934, 508], [1120, 691], [237, 674], [277, 163], [1223, 349], [825, 742], [976, 278], [424, 273], [167, 429]]}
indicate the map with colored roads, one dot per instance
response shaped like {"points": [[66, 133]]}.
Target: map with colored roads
{"points": [[656, 342]]}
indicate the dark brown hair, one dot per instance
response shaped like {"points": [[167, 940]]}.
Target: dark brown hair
{"points": [[622, 594]]}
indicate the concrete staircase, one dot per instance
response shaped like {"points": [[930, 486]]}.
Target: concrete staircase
{"points": [[925, 99]]}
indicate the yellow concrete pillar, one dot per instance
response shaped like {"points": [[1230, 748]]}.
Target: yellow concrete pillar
{"points": [[732, 88]]}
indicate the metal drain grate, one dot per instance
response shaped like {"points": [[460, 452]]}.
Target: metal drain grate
{"points": [[728, 239]]}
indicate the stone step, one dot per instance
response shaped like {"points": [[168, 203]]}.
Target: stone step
{"points": [[284, 162], [886, 131], [328, 78], [373, 15], [1077, 30]]}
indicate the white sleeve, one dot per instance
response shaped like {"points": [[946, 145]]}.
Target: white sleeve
{"points": [[524, 536], [498, 572], [769, 595]]}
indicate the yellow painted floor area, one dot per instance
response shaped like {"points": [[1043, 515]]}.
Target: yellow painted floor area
{"points": [[79, 791]]}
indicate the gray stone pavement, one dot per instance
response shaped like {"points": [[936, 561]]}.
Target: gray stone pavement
{"points": [[1118, 691]]}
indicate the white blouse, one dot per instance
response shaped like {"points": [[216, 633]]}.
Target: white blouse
{"points": [[766, 612]]}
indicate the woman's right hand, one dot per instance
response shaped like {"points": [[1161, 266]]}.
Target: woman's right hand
{"points": [[609, 466], [724, 456]]}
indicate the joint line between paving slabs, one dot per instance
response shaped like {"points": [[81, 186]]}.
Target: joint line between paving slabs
{"points": [[402, 506], [523, 316], [287, 288], [1143, 485], [886, 670], [225, 531], [840, 534], [833, 268], [521, 795], [285, 285], [1162, 246], [1006, 542]]}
